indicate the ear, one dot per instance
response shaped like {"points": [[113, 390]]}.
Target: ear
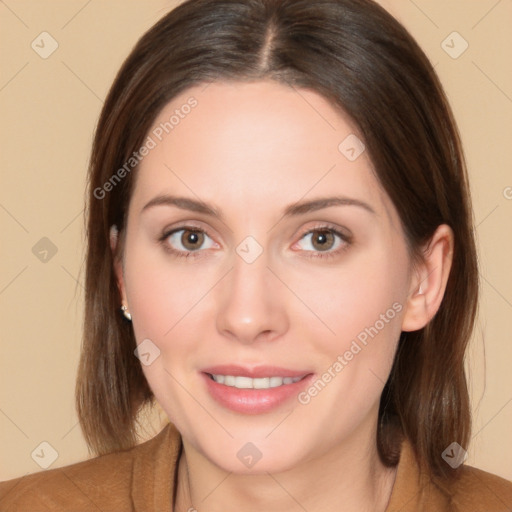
{"points": [[429, 280], [118, 265]]}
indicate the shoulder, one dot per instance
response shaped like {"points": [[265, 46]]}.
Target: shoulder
{"points": [[102, 483], [472, 490], [69, 486], [477, 490]]}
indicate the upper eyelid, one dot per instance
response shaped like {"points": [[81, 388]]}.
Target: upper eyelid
{"points": [[190, 225], [185, 225]]}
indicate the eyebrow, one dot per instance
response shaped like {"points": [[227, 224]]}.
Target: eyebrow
{"points": [[294, 209]]}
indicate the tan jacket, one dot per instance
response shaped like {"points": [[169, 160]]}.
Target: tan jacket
{"points": [[143, 479]]}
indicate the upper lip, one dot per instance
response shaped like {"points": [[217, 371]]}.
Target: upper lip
{"points": [[254, 372]]}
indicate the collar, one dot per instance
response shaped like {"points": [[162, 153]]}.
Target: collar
{"points": [[155, 471]]}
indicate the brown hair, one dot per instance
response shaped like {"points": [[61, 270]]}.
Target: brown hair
{"points": [[362, 60]]}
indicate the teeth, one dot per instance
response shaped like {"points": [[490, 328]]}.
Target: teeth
{"points": [[229, 380], [275, 381], [241, 382], [264, 382]]}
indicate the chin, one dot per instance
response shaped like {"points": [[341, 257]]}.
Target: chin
{"points": [[249, 453]]}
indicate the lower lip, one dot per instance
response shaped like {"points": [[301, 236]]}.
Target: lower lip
{"points": [[254, 401]]}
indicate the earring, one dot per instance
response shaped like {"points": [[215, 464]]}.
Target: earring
{"points": [[125, 312]]}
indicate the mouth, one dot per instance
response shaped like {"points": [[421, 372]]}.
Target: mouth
{"points": [[241, 382], [254, 390]]}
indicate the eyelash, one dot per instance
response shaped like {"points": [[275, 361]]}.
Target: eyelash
{"points": [[346, 239]]}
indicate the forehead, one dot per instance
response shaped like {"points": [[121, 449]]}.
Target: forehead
{"points": [[255, 145]]}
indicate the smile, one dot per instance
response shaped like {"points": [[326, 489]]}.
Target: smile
{"points": [[254, 389]]}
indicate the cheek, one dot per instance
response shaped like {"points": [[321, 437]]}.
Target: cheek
{"points": [[162, 295], [165, 302], [361, 301], [363, 308]]}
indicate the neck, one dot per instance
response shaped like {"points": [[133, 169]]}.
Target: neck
{"points": [[349, 478]]}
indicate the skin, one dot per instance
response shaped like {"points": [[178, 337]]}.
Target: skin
{"points": [[251, 149]]}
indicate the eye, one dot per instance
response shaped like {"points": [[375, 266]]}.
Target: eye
{"points": [[325, 239], [185, 240]]}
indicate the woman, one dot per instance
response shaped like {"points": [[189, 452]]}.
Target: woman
{"points": [[281, 254]]}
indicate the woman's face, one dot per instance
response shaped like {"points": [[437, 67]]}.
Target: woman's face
{"points": [[266, 282]]}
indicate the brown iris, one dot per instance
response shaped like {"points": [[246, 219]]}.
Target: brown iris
{"points": [[194, 238], [322, 237]]}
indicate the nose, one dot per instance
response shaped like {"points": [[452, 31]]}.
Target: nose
{"points": [[251, 305]]}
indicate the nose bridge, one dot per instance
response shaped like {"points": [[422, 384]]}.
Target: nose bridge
{"points": [[250, 307]]}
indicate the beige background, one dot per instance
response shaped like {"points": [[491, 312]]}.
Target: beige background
{"points": [[49, 108]]}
